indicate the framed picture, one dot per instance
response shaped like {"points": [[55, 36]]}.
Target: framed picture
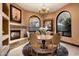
{"points": [[15, 14], [48, 24]]}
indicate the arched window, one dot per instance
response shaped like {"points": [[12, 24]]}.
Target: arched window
{"points": [[63, 23], [34, 23]]}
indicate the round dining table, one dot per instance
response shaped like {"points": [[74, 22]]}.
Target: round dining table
{"points": [[43, 39], [43, 50]]}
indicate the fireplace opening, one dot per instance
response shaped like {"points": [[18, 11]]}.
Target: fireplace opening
{"points": [[14, 34], [26, 34]]}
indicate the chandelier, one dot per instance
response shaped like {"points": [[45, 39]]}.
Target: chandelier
{"points": [[44, 11]]}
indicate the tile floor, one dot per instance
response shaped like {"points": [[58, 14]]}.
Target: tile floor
{"points": [[73, 51]]}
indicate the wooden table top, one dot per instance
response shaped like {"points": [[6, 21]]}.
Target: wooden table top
{"points": [[44, 37]]}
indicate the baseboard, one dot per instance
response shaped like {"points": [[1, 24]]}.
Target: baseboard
{"points": [[70, 43]]}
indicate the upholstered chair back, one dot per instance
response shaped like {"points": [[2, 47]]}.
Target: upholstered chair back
{"points": [[56, 38]]}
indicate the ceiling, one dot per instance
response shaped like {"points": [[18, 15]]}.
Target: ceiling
{"points": [[34, 7]]}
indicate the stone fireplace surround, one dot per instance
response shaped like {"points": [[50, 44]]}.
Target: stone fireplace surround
{"points": [[21, 39]]}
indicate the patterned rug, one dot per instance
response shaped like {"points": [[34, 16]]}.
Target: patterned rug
{"points": [[62, 51]]}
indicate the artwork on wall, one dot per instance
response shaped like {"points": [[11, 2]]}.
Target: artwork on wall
{"points": [[63, 23], [14, 34], [15, 14], [48, 24]]}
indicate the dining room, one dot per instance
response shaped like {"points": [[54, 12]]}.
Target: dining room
{"points": [[39, 29]]}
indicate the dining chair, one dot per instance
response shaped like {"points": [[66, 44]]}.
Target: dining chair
{"points": [[55, 42], [56, 39], [34, 42], [30, 37]]}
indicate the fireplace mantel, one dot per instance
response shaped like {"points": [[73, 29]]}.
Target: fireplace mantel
{"points": [[14, 25], [17, 40]]}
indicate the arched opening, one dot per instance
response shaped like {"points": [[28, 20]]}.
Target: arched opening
{"points": [[34, 23]]}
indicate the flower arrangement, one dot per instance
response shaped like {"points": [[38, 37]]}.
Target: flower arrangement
{"points": [[42, 30]]}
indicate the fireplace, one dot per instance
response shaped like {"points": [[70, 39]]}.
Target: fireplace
{"points": [[14, 34], [26, 34]]}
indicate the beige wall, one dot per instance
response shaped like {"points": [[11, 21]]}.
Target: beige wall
{"points": [[74, 10], [25, 18], [26, 14]]}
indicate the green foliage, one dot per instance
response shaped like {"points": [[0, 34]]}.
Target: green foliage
{"points": [[42, 31]]}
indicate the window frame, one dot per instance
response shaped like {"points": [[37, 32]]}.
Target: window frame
{"points": [[34, 27], [57, 23]]}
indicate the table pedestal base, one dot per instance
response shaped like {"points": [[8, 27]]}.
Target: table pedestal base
{"points": [[43, 45]]}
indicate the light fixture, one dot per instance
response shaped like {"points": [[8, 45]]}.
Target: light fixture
{"points": [[44, 11]]}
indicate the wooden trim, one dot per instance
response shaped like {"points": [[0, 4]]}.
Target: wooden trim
{"points": [[70, 43]]}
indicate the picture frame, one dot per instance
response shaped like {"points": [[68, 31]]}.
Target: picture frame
{"points": [[15, 14], [49, 24]]}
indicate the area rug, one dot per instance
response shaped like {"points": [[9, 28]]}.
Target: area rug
{"points": [[62, 51]]}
